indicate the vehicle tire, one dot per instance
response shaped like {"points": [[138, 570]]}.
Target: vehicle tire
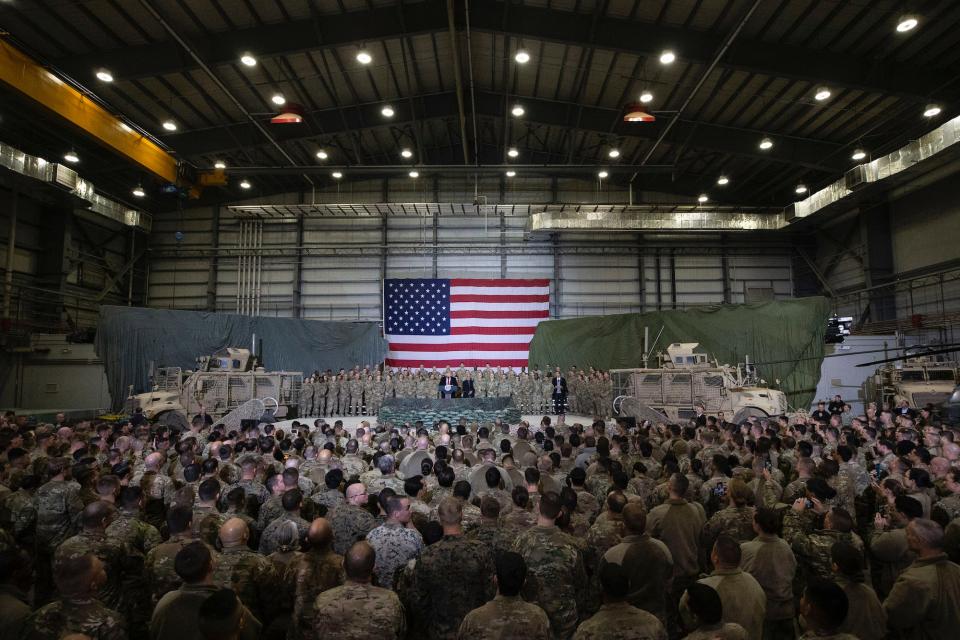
{"points": [[749, 412]]}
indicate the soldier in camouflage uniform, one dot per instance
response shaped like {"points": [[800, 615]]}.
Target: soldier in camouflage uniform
{"points": [[367, 383], [138, 538], [507, 615], [394, 543], [207, 519], [559, 580], [93, 540], [546, 394], [333, 396], [248, 573], [606, 396], [356, 395], [389, 387], [129, 527], [357, 609], [812, 547], [58, 505], [158, 571], [617, 619], [314, 572], [376, 394], [320, 396], [307, 391], [18, 512], [78, 578], [270, 539], [735, 521], [451, 578], [350, 521]]}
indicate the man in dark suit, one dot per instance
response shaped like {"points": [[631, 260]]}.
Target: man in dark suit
{"points": [[467, 390], [448, 384], [559, 393]]}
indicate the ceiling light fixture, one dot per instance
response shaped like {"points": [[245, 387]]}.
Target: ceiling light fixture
{"points": [[248, 60], [801, 189], [219, 164], [336, 175], [278, 99], [406, 153], [522, 57], [602, 174], [859, 154], [822, 94], [510, 174], [906, 23], [364, 57], [414, 174], [104, 75], [169, 125], [667, 57], [245, 184], [513, 152], [932, 110], [766, 143], [387, 111], [613, 153], [322, 154], [517, 110], [71, 157], [138, 192], [723, 180], [646, 97], [702, 198]]}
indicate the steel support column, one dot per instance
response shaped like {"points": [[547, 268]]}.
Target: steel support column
{"points": [[214, 260], [11, 252]]}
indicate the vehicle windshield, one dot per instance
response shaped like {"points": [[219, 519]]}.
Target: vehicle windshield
{"points": [[911, 375]]}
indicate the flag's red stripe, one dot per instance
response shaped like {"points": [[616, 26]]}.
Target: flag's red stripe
{"points": [[391, 362], [461, 346], [506, 315], [468, 282], [473, 297], [492, 331]]}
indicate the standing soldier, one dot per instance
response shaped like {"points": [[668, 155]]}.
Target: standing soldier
{"points": [[367, 384], [461, 372], [546, 393], [480, 384], [389, 386], [343, 400], [375, 396], [573, 392], [306, 398], [320, 396], [606, 396], [333, 396], [523, 393]]}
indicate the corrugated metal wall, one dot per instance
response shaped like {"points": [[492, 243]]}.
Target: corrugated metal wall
{"points": [[336, 263]]}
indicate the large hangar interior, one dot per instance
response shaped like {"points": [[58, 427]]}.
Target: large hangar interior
{"points": [[770, 188]]}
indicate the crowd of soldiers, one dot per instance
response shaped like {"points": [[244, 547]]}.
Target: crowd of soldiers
{"points": [[361, 392], [768, 529]]}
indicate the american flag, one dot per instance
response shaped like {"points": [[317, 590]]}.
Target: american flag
{"points": [[441, 323]]}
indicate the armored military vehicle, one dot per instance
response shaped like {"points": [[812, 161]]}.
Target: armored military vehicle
{"points": [[222, 382], [919, 378], [684, 379]]}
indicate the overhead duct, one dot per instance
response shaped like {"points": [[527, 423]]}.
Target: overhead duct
{"points": [[65, 178], [882, 168], [651, 218]]}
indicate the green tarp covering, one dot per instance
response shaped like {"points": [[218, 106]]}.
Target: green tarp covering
{"points": [[784, 338]]}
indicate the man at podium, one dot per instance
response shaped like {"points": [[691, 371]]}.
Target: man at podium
{"points": [[448, 384]]}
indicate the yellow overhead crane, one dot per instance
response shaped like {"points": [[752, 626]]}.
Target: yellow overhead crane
{"points": [[20, 72]]}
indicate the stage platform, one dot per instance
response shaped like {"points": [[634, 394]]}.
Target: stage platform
{"points": [[350, 423]]}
